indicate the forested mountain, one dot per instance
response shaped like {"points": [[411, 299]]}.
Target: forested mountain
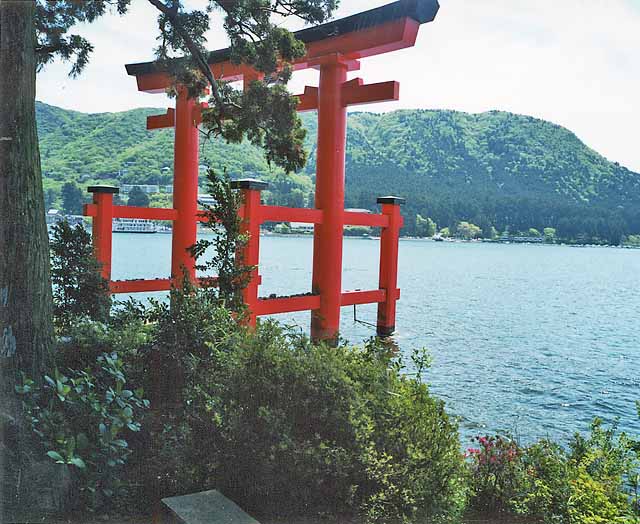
{"points": [[494, 169]]}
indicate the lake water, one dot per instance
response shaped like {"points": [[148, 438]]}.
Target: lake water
{"points": [[533, 340]]}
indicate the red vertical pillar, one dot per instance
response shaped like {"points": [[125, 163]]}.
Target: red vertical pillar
{"points": [[250, 254], [185, 187], [102, 227], [389, 240], [327, 239]]}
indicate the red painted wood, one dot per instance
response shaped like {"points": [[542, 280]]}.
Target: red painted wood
{"points": [[162, 121], [101, 231], [308, 100], [349, 298], [387, 37], [384, 38], [291, 214], [356, 218], [146, 285], [272, 306], [153, 83], [389, 243], [149, 213], [185, 188], [357, 93], [327, 240], [140, 285], [250, 254], [333, 57]]}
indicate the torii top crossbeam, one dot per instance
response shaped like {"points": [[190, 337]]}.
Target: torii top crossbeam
{"points": [[382, 30], [334, 48]]}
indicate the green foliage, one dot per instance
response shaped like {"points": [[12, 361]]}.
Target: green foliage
{"points": [[495, 473], [283, 426], [494, 169], [264, 113], [299, 429], [633, 240], [357, 231], [549, 234], [54, 18], [72, 198], [79, 291], [282, 229], [593, 482], [232, 273], [467, 230], [425, 227], [84, 420], [137, 197]]}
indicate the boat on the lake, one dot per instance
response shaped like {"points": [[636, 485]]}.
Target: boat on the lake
{"points": [[133, 225]]}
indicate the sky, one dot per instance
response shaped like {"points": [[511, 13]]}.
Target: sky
{"points": [[573, 62]]}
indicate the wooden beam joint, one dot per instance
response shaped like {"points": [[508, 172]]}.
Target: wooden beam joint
{"points": [[355, 92], [162, 121]]}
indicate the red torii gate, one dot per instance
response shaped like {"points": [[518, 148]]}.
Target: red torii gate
{"points": [[334, 48]]}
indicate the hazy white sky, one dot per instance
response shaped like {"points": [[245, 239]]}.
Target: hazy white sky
{"points": [[573, 62]]}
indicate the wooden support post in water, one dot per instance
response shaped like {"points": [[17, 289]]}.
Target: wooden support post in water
{"points": [[389, 240], [327, 239]]}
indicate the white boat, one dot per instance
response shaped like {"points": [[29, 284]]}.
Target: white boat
{"points": [[133, 225]]}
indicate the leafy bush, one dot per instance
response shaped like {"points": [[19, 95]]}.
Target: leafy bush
{"points": [[79, 291], [496, 471], [286, 426], [83, 420], [588, 483], [545, 487]]}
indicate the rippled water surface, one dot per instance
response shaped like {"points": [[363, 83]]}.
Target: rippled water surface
{"points": [[534, 340]]}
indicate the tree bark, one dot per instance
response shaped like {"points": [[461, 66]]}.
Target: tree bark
{"points": [[26, 332]]}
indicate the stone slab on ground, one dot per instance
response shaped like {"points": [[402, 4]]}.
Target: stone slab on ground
{"points": [[206, 507]]}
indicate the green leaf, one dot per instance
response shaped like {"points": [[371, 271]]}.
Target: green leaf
{"points": [[56, 456], [78, 462]]}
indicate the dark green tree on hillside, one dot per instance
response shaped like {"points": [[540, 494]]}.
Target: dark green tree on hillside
{"points": [[72, 198], [137, 197], [36, 32]]}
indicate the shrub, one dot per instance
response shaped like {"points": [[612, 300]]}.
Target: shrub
{"points": [[287, 426], [496, 473], [588, 483], [83, 420], [545, 485], [600, 466], [79, 291]]}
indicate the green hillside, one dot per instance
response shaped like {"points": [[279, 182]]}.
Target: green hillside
{"points": [[494, 169]]}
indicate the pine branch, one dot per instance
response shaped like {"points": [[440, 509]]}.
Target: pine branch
{"points": [[203, 66]]}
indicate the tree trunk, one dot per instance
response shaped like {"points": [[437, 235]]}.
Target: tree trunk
{"points": [[26, 333]]}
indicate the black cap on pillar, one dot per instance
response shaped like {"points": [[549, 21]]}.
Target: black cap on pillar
{"points": [[398, 201], [248, 183], [103, 189]]}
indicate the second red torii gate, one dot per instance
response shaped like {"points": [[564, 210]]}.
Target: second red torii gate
{"points": [[335, 49]]}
